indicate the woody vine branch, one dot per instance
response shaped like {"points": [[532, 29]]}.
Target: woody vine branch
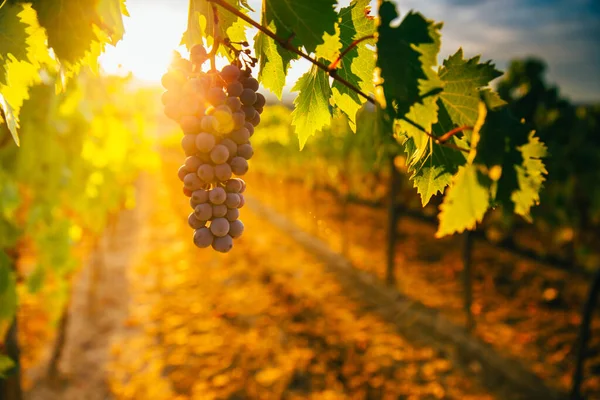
{"points": [[332, 70]]}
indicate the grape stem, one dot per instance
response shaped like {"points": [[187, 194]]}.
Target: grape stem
{"points": [[438, 140], [286, 44], [453, 132], [352, 45], [213, 51]]}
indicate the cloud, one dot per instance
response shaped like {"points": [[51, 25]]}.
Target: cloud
{"points": [[565, 33]]}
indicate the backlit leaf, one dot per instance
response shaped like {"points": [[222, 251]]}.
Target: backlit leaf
{"points": [[13, 37], [358, 64], [406, 56], [111, 17], [311, 112], [500, 139], [330, 48], [465, 203], [432, 173], [308, 20], [462, 80], [273, 64], [69, 26], [530, 176], [201, 25]]}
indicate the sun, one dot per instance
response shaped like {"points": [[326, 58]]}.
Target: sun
{"points": [[152, 32]]}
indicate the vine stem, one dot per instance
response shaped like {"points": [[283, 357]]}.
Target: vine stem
{"points": [[437, 140], [352, 45], [453, 132], [286, 44], [216, 43]]}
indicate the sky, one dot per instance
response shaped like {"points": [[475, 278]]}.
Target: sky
{"points": [[564, 33]]}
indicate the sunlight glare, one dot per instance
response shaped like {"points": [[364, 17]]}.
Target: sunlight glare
{"points": [[152, 32]]}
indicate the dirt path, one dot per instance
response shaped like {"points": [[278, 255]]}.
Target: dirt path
{"points": [[522, 309], [268, 321], [420, 325], [98, 309]]}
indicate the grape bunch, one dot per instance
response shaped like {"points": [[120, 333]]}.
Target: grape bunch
{"points": [[217, 111]]}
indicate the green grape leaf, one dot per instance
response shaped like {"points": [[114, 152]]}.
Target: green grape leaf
{"points": [[6, 364], [330, 48], [406, 57], [307, 20], [432, 173], [372, 121], [22, 74], [356, 23], [10, 119], [492, 99], [201, 25], [22, 50], [358, 64], [311, 112], [348, 103], [194, 33], [274, 60], [465, 203], [374, 138], [426, 115], [498, 149], [36, 279], [4, 271], [111, 16], [273, 64], [530, 176], [244, 3], [13, 37], [425, 111], [462, 81], [8, 289], [69, 26]]}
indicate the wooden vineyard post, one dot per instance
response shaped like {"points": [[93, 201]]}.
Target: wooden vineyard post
{"points": [[59, 343], [467, 252], [392, 229], [584, 337], [10, 387]]}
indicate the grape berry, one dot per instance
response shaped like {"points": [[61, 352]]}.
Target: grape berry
{"points": [[217, 112]]}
